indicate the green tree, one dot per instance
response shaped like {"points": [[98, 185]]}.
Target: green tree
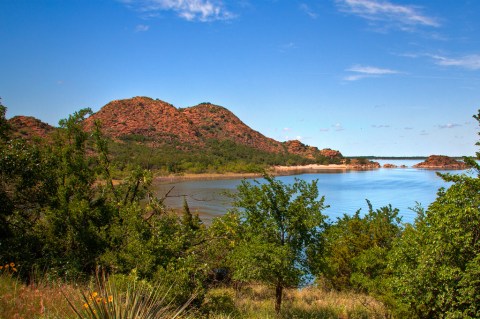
{"points": [[357, 247], [436, 262], [4, 126], [278, 224]]}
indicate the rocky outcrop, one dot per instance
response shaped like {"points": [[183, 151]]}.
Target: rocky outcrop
{"points": [[216, 122], [327, 152], [146, 117], [441, 162], [387, 165], [29, 127], [297, 147], [362, 164]]}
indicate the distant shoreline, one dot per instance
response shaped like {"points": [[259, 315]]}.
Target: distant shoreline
{"points": [[274, 170]]}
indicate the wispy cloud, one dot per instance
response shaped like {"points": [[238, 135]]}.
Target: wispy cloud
{"points": [[142, 28], [371, 70], [380, 126], [190, 10], [449, 125], [403, 17], [338, 127], [471, 62], [308, 11], [287, 47], [362, 71]]}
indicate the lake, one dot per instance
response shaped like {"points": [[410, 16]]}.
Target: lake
{"points": [[345, 191]]}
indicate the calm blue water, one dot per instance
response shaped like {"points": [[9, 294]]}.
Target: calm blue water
{"points": [[345, 191]]}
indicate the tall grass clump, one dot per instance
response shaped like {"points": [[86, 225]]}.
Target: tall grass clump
{"points": [[119, 298]]}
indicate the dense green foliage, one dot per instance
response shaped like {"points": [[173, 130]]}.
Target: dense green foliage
{"points": [[62, 213], [436, 263], [357, 247]]}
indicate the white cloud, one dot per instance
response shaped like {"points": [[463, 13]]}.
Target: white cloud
{"points": [[355, 77], [362, 72], [380, 126], [403, 17], [308, 11], [449, 125], [471, 62], [191, 10], [142, 28], [371, 70]]}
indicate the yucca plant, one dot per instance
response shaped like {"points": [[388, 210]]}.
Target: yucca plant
{"points": [[134, 300]]}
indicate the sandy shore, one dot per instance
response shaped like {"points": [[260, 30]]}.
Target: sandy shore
{"points": [[308, 168], [275, 170]]}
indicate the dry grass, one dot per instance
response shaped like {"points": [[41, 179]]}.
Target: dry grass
{"points": [[40, 300], [48, 300], [257, 301]]}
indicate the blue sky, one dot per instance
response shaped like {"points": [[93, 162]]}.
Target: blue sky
{"points": [[366, 77]]}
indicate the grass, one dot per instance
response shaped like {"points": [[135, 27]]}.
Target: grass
{"points": [[257, 302], [48, 300], [39, 300]]}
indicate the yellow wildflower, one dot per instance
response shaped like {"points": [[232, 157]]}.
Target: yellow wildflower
{"points": [[12, 264], [1, 267], [98, 300], [85, 305], [14, 269], [110, 298]]}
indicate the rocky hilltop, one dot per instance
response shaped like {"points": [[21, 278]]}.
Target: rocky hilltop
{"points": [[441, 162], [216, 122], [162, 122], [29, 127], [140, 116]]}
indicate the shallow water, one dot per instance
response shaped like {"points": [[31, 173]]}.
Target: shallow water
{"points": [[345, 191]]}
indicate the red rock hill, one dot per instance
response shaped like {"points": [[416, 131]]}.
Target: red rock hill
{"points": [[29, 127], [441, 162], [146, 117], [163, 122], [216, 122]]}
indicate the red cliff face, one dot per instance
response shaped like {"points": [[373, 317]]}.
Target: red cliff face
{"points": [[29, 127], [441, 162]]}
